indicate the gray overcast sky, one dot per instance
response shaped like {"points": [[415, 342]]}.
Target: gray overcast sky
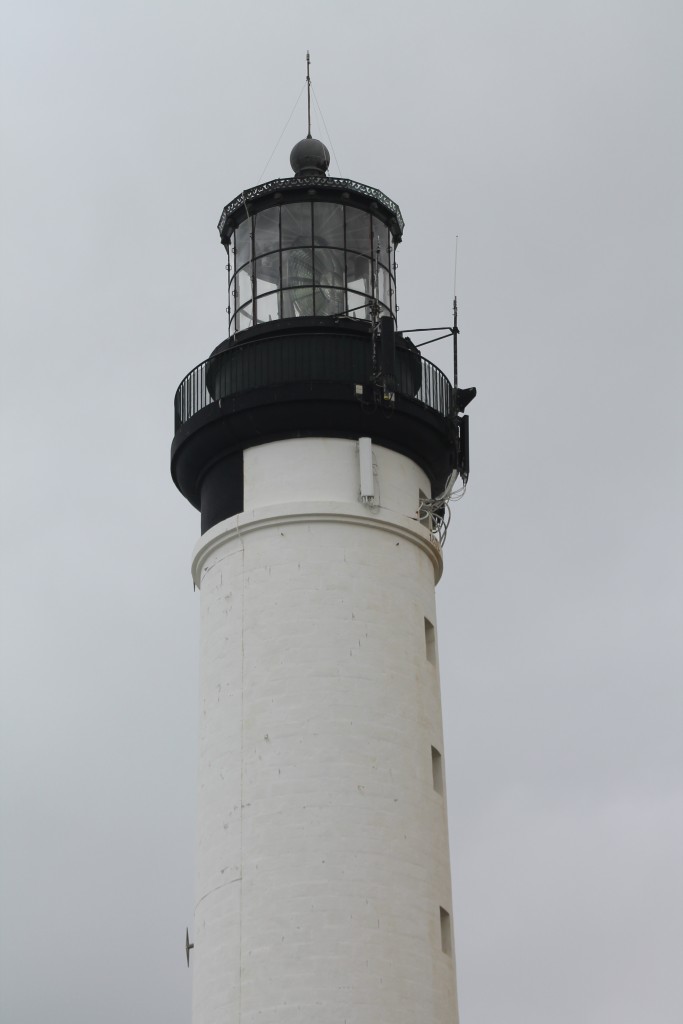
{"points": [[546, 135]]}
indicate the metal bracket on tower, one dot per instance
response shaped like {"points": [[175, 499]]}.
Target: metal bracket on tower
{"points": [[387, 339], [188, 946]]}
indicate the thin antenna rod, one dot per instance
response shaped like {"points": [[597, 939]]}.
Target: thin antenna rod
{"points": [[308, 83], [455, 326], [456, 332]]}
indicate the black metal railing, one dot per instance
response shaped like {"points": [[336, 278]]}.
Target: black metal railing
{"points": [[269, 362]]}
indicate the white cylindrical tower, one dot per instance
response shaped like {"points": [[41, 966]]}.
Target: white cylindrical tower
{"points": [[314, 442]]}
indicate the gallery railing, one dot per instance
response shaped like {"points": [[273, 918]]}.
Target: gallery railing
{"points": [[272, 362]]}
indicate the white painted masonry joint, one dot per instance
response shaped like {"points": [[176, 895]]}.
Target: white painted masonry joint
{"points": [[302, 512]]}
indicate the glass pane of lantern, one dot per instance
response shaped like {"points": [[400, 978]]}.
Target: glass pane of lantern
{"points": [[383, 284], [297, 279], [243, 287], [380, 236], [392, 273], [245, 317], [357, 230], [267, 231], [328, 224], [267, 272], [358, 270], [268, 307], [297, 267], [357, 305], [297, 302], [297, 228], [329, 301], [243, 243], [329, 268]]}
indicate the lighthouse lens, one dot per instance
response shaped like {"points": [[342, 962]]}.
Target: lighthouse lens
{"points": [[267, 273], [297, 282], [297, 225], [328, 221], [310, 258], [267, 231], [329, 281]]}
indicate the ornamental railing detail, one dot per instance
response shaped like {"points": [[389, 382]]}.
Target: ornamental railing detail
{"points": [[268, 362], [324, 184]]}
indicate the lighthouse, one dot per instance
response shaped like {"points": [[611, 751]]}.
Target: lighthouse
{"points": [[321, 448]]}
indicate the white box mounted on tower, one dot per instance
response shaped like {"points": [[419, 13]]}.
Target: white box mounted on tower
{"points": [[367, 473]]}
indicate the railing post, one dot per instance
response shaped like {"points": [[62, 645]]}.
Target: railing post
{"points": [[258, 363]]}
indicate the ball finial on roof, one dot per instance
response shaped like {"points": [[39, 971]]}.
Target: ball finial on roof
{"points": [[310, 156]]}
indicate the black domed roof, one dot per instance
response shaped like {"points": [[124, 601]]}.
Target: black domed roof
{"points": [[310, 156]]}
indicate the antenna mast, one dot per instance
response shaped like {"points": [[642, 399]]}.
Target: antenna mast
{"points": [[308, 84], [455, 322]]}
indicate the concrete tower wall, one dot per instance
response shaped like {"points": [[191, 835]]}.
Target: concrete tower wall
{"points": [[323, 878]]}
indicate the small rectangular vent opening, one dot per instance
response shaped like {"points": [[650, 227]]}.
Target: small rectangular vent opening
{"points": [[430, 641], [446, 933], [437, 770]]}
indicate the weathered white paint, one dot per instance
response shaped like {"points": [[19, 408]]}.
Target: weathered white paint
{"points": [[323, 848]]}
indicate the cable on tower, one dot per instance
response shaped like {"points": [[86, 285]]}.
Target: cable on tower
{"points": [[296, 104], [327, 130]]}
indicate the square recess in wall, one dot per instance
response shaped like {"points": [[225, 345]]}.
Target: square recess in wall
{"points": [[446, 933], [430, 641], [437, 770]]}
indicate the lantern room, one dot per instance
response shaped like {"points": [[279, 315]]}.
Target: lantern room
{"points": [[310, 246]]}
